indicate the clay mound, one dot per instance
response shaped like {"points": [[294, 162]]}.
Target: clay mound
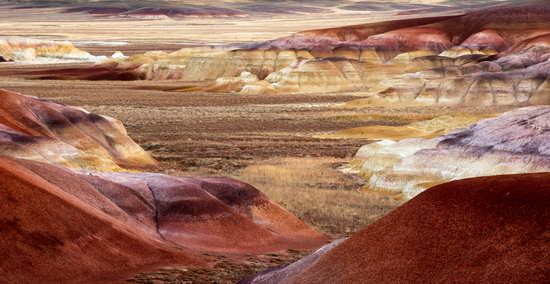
{"points": [[36, 129], [411, 39], [486, 39], [66, 240], [205, 214], [198, 214], [482, 230], [102, 227], [351, 35]]}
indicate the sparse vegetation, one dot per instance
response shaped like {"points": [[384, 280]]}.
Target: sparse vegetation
{"points": [[223, 270], [314, 190]]}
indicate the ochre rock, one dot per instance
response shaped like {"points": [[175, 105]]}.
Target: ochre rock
{"points": [[481, 230]]}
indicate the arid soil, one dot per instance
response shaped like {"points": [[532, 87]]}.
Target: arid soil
{"points": [[269, 141], [222, 135], [224, 270]]}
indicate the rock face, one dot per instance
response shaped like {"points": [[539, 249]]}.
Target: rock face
{"points": [[488, 56], [36, 129], [516, 142], [25, 49], [489, 229]]}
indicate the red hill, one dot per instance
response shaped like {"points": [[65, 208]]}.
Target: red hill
{"points": [[481, 230]]}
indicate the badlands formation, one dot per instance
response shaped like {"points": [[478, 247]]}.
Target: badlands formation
{"points": [[70, 208], [44, 131], [516, 142], [492, 56], [481, 230], [82, 202]]}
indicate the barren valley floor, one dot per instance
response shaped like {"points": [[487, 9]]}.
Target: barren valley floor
{"points": [[270, 141], [266, 140]]}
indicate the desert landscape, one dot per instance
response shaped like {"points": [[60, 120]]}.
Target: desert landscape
{"points": [[275, 141]]}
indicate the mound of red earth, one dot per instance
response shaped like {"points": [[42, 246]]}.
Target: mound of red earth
{"points": [[32, 128], [62, 226], [90, 224], [70, 234], [482, 230]]}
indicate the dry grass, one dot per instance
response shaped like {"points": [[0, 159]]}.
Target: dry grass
{"points": [[315, 191], [427, 129]]}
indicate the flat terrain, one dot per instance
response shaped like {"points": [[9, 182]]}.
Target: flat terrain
{"points": [[105, 33]]}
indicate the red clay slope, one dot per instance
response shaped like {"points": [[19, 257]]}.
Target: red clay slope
{"points": [[160, 212], [482, 230], [103, 226], [61, 225], [48, 235], [214, 214]]}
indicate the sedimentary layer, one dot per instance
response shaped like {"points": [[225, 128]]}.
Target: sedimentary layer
{"points": [[487, 56], [26, 49], [40, 130], [515, 142], [490, 230]]}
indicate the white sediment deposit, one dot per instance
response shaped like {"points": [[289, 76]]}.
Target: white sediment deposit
{"points": [[26, 49], [516, 142]]}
